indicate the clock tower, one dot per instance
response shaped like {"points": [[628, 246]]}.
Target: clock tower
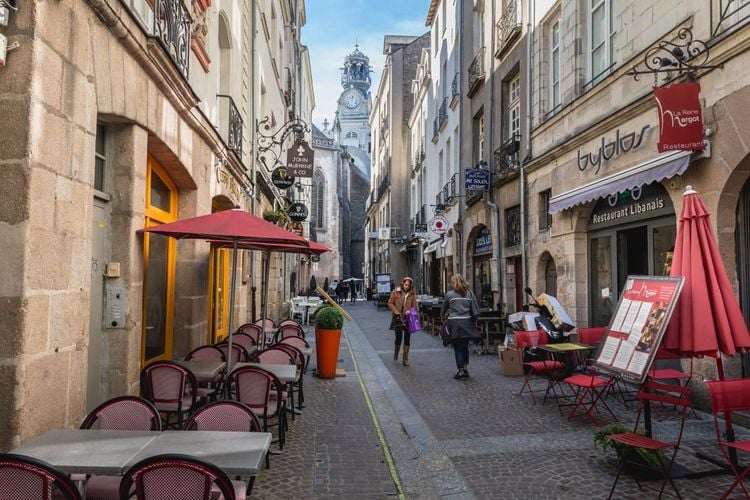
{"points": [[354, 104]]}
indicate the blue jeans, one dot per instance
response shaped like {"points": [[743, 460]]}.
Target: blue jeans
{"points": [[461, 350]]}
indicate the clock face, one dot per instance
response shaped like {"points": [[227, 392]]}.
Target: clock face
{"points": [[352, 100]]}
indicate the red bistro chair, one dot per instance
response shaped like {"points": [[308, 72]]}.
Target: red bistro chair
{"points": [[208, 387], [299, 360], [254, 331], [589, 391], [593, 337], [266, 324], [171, 388], [299, 343], [124, 413], [664, 393], [279, 355], [175, 476], [289, 331], [24, 477], [290, 321], [548, 367], [239, 353], [263, 393], [245, 340], [728, 396]]}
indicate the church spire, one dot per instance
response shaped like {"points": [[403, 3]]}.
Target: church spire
{"points": [[356, 71]]}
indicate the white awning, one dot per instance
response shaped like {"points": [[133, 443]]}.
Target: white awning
{"points": [[430, 248], [447, 246], [662, 167]]}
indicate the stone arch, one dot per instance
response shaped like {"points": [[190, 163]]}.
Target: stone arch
{"points": [[220, 203], [546, 272], [471, 239], [224, 35]]}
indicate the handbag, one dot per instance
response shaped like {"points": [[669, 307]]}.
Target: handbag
{"points": [[445, 335], [412, 321]]}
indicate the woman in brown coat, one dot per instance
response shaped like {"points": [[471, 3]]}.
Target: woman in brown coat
{"points": [[400, 302]]}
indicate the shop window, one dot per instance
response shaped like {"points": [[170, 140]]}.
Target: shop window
{"points": [[514, 108], [545, 218], [513, 226], [100, 156]]}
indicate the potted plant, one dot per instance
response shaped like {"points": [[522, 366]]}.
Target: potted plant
{"points": [[638, 461], [328, 323], [273, 216]]}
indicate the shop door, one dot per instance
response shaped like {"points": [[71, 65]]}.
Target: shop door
{"points": [[99, 256], [219, 288], [518, 289], [632, 254], [742, 235]]}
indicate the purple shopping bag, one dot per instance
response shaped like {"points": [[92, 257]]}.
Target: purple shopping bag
{"points": [[412, 321]]}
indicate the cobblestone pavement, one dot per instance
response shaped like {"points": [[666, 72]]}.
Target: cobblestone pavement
{"points": [[453, 439]]}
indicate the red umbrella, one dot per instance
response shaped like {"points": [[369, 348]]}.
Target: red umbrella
{"points": [[231, 227], [707, 319], [313, 248]]}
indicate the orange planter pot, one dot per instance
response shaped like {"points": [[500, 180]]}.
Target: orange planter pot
{"points": [[327, 351]]}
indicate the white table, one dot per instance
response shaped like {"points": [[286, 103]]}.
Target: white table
{"points": [[91, 451]]}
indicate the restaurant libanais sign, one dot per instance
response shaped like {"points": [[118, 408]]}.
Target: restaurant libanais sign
{"points": [[631, 205]]}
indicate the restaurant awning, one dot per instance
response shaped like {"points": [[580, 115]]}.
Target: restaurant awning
{"points": [[446, 248], [662, 167], [431, 248]]}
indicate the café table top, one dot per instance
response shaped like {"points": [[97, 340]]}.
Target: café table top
{"points": [[203, 370], [285, 373], [236, 453], [564, 347], [87, 451], [92, 451]]}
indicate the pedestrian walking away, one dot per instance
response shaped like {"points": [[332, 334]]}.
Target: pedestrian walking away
{"points": [[353, 293], [460, 310], [400, 302]]}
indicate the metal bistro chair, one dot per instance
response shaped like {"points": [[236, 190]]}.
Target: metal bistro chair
{"points": [[228, 416], [175, 476], [280, 355], [289, 331], [172, 388], [208, 388], [24, 477], [290, 321], [124, 413], [526, 340], [299, 360], [263, 393], [654, 391], [299, 343], [254, 331]]}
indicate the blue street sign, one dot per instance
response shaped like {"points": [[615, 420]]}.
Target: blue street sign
{"points": [[477, 179]]}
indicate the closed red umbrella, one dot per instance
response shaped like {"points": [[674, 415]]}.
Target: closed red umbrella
{"points": [[707, 319]]}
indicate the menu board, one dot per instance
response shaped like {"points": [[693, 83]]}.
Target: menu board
{"points": [[638, 325]]}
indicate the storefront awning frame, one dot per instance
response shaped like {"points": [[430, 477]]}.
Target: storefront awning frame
{"points": [[662, 167]]}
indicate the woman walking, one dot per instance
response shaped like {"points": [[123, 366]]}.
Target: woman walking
{"points": [[460, 308], [400, 302]]}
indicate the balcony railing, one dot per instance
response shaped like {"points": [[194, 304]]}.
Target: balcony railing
{"points": [[506, 158], [230, 124], [455, 89], [454, 185], [289, 92], [436, 129], [443, 114], [476, 72], [172, 23], [513, 226], [423, 214], [509, 26], [384, 183]]}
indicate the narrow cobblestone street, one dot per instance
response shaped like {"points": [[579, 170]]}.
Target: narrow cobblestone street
{"points": [[453, 439]]}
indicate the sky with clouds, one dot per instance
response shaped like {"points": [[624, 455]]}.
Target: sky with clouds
{"points": [[334, 26]]}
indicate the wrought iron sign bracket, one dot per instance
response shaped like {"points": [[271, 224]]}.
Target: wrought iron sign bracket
{"points": [[684, 56], [270, 144]]}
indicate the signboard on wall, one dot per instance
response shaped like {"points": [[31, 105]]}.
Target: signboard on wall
{"points": [[638, 325], [298, 212], [281, 179], [477, 179], [680, 117], [483, 243], [299, 159], [439, 224]]}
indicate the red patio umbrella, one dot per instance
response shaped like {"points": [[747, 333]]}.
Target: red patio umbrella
{"points": [[707, 320], [231, 227]]}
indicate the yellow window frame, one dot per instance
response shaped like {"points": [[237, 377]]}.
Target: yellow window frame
{"points": [[216, 332]]}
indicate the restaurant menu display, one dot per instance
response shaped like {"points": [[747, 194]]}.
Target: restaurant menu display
{"points": [[637, 326]]}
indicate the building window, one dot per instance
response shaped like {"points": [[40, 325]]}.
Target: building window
{"points": [[479, 138], [601, 38], [513, 226], [318, 199], [545, 218], [351, 135], [554, 70], [514, 107], [100, 156]]}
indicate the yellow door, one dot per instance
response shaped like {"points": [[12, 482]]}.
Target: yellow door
{"points": [[158, 265], [219, 293]]}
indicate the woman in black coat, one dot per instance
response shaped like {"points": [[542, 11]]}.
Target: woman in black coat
{"points": [[460, 310]]}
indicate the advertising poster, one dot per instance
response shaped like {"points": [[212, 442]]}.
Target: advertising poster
{"points": [[637, 326]]}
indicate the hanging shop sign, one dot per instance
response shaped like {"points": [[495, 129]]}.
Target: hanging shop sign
{"points": [[439, 224], [477, 179], [680, 117], [420, 231], [299, 159], [384, 233], [483, 243], [298, 212], [281, 179], [608, 150], [314, 258]]}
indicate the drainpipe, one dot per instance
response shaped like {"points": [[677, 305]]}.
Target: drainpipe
{"points": [[253, 143], [461, 188], [490, 148], [527, 149]]}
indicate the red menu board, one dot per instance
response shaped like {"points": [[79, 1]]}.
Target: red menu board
{"points": [[637, 326]]}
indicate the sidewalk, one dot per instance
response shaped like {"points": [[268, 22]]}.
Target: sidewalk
{"points": [[452, 439]]}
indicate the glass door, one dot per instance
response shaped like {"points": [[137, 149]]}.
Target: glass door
{"points": [[159, 262], [602, 279], [219, 294]]}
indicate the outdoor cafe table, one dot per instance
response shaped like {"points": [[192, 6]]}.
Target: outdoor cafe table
{"points": [[106, 452], [204, 371], [484, 324], [285, 373], [569, 351]]}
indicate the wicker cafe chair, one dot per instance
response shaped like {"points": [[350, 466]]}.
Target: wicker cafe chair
{"points": [[24, 477], [239, 353], [263, 393], [245, 340], [124, 413], [299, 360], [279, 355], [288, 331], [172, 388], [175, 476], [208, 387], [654, 391], [290, 321], [254, 331], [526, 340], [228, 416], [728, 396], [299, 343]]}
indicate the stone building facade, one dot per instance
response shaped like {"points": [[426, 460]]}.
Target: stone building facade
{"points": [[114, 122]]}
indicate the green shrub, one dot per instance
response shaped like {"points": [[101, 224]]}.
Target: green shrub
{"points": [[328, 318]]}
